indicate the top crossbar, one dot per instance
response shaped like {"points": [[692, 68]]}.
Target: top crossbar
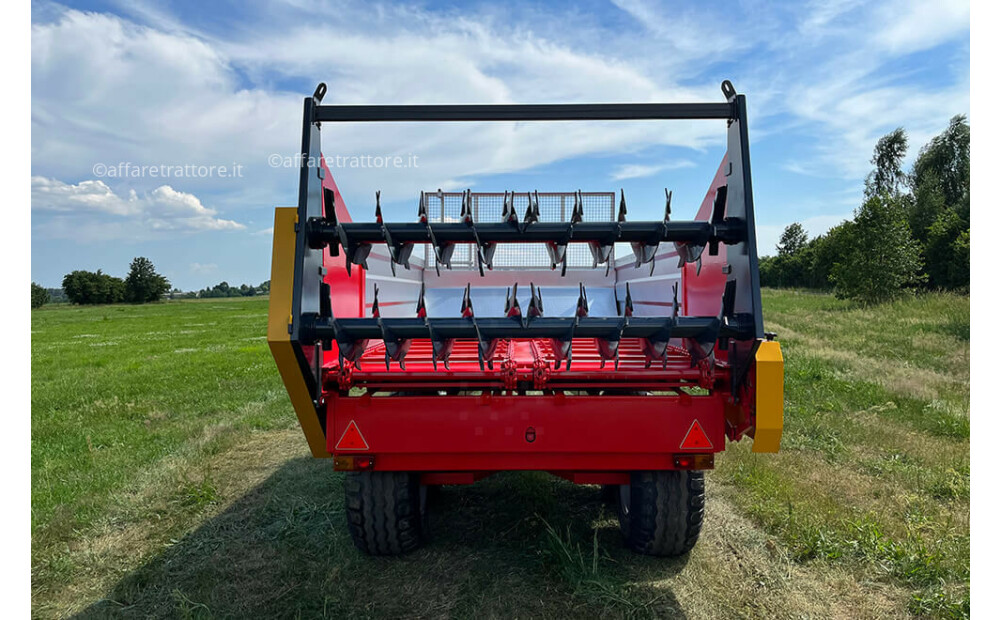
{"points": [[524, 112]]}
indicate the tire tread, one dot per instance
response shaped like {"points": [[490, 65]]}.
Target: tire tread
{"points": [[383, 509], [666, 513]]}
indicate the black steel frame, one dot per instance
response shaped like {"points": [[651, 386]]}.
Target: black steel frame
{"points": [[743, 330]]}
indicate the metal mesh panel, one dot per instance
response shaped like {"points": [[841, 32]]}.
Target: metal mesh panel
{"points": [[488, 207]]}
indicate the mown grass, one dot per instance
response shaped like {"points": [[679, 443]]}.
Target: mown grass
{"points": [[116, 389], [169, 480], [874, 469]]}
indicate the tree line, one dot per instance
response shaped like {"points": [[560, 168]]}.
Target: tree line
{"points": [[85, 287], [142, 285], [911, 232], [224, 289]]}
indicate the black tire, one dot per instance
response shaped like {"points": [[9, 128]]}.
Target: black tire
{"points": [[386, 511], [661, 512]]}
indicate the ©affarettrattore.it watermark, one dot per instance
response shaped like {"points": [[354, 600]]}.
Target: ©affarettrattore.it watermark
{"points": [[277, 160], [126, 169]]}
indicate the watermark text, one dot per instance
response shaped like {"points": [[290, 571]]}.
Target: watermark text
{"points": [[277, 160], [129, 170]]}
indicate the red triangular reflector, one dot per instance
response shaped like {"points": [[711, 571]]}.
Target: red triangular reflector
{"points": [[696, 439], [352, 439]]}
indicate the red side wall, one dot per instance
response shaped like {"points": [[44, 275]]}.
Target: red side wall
{"points": [[703, 293]]}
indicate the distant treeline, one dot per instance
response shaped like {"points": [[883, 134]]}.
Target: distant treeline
{"points": [[912, 231], [142, 285], [223, 289]]}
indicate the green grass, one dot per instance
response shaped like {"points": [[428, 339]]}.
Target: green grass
{"points": [[116, 388], [169, 479], [874, 471]]}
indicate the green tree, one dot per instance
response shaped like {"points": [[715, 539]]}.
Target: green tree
{"points": [[947, 251], [939, 216], [928, 204], [929, 225], [770, 271], [793, 239], [39, 296], [888, 176], [222, 289], [143, 284], [792, 265], [77, 286], [827, 251], [883, 259], [945, 161], [88, 287]]}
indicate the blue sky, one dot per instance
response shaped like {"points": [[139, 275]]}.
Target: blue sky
{"points": [[203, 84]]}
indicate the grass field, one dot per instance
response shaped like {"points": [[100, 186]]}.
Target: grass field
{"points": [[169, 480]]}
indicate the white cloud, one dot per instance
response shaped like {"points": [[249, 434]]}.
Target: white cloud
{"points": [[155, 97], [87, 208], [798, 168], [204, 268], [822, 16], [473, 62], [854, 116], [684, 33], [145, 96], [267, 232], [844, 84], [914, 25], [636, 171]]}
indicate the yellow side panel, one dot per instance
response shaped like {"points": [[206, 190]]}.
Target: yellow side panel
{"points": [[770, 397], [279, 317]]}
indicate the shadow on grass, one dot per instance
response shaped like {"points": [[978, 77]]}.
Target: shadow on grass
{"points": [[282, 550]]}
